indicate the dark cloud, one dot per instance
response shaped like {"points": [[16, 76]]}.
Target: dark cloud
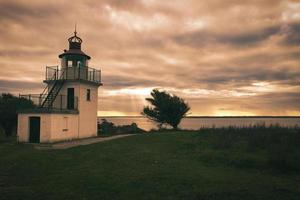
{"points": [[291, 33], [17, 11], [195, 39], [243, 77], [269, 58], [273, 102], [14, 85], [203, 38], [248, 38], [24, 53], [124, 81]]}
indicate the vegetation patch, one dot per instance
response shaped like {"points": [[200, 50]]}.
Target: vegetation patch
{"points": [[277, 147], [164, 165], [9, 106], [106, 128]]}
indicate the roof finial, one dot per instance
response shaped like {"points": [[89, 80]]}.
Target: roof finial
{"points": [[75, 32]]}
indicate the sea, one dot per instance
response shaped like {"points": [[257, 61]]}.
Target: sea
{"points": [[195, 123]]}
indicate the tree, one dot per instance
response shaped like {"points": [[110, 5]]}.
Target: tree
{"points": [[165, 108], [9, 105]]}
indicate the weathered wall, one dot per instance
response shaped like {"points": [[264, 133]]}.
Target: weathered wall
{"points": [[63, 127], [88, 111], [54, 127], [87, 121], [23, 127]]}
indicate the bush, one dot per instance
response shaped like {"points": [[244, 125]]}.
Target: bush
{"points": [[2, 135], [9, 105], [106, 127]]}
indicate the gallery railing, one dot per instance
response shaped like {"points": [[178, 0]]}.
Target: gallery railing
{"points": [[73, 73], [61, 102]]}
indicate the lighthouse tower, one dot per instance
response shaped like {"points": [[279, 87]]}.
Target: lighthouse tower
{"points": [[67, 108]]}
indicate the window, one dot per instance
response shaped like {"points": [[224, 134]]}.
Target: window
{"points": [[65, 124], [88, 94], [69, 63]]}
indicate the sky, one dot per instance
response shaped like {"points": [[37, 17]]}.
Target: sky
{"points": [[224, 57]]}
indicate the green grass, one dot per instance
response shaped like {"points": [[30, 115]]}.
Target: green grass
{"points": [[173, 165]]}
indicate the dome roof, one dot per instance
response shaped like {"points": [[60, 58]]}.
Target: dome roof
{"points": [[74, 47], [75, 38]]}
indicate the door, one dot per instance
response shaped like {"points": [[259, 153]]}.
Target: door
{"points": [[70, 99], [34, 129]]}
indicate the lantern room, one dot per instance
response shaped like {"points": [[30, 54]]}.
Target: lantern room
{"points": [[74, 57]]}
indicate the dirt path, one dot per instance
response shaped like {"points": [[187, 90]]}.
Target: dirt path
{"points": [[75, 143]]}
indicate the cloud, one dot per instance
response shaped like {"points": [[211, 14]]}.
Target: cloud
{"points": [[203, 38], [221, 56], [14, 86], [291, 34], [21, 11]]}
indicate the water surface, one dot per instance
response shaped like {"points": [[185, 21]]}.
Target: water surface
{"points": [[197, 123]]}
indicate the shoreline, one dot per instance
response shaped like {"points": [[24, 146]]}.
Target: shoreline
{"points": [[191, 117]]}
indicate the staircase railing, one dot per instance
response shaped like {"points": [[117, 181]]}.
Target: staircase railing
{"points": [[61, 102], [48, 101], [44, 94]]}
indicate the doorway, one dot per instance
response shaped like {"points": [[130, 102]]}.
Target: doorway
{"points": [[34, 129], [70, 99]]}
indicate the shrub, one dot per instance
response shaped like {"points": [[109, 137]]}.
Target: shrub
{"points": [[2, 135], [106, 127], [9, 105]]}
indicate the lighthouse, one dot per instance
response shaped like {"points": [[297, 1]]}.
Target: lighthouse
{"points": [[67, 107]]}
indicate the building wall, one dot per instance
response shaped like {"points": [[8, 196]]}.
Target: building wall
{"points": [[88, 110], [53, 127], [87, 120], [23, 127], [60, 127], [64, 127]]}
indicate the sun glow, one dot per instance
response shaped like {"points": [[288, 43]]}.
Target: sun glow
{"points": [[260, 87], [130, 91], [232, 113], [106, 113]]}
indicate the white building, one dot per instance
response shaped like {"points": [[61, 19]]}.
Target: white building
{"points": [[67, 108]]}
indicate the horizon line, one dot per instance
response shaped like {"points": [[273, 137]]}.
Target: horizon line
{"points": [[199, 116]]}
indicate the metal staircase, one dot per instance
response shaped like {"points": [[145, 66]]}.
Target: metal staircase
{"points": [[49, 97]]}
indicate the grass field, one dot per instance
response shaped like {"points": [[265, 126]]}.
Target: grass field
{"points": [[211, 164]]}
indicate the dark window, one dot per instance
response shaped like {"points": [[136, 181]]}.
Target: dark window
{"points": [[88, 94], [70, 99]]}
